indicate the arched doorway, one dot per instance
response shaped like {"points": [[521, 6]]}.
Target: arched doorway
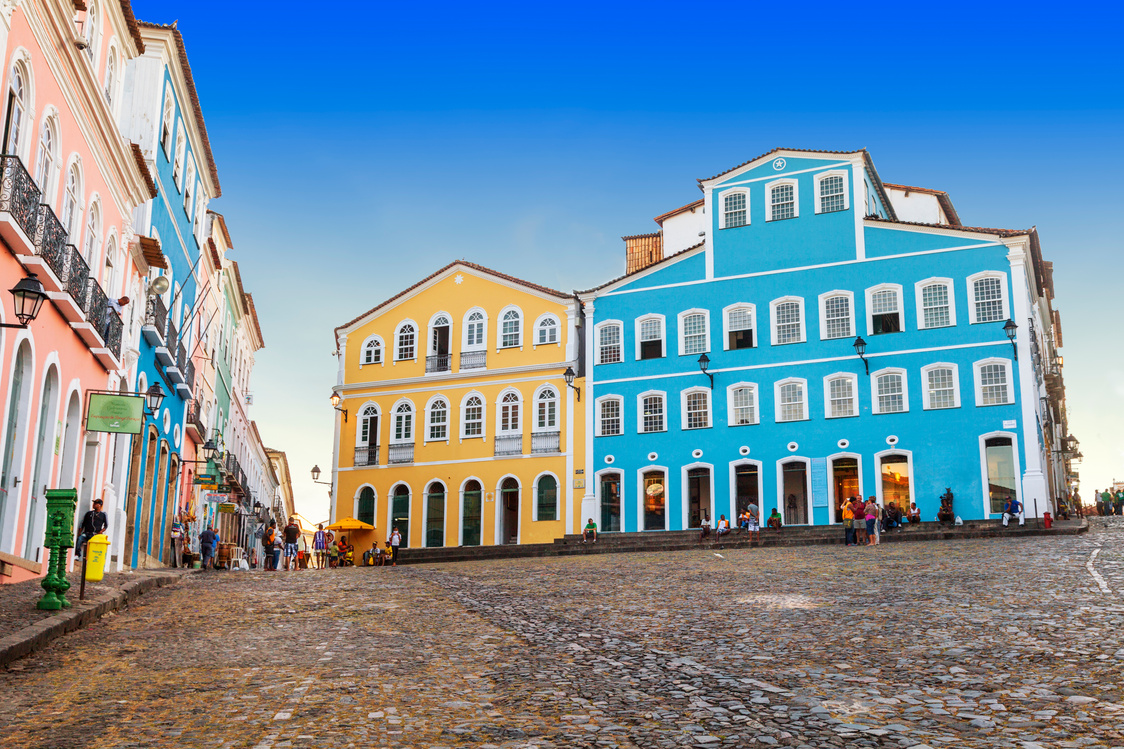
{"points": [[655, 500], [15, 439], [610, 502], [400, 513], [160, 504], [435, 515], [509, 504], [795, 492], [41, 476], [698, 497], [365, 512], [146, 497], [471, 508]]}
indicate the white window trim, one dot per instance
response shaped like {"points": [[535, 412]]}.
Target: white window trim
{"points": [[769, 196], [557, 499], [363, 352], [926, 404], [823, 312], [777, 399], [920, 302], [535, 428], [878, 456], [359, 441], [773, 320], [597, 338], [721, 203], [429, 334], [854, 378], [394, 423], [499, 413], [597, 414], [448, 419], [390, 505], [640, 496], [895, 287], [483, 417], [985, 498], [483, 345], [730, 403], [426, 491], [710, 508], [683, 407], [978, 386], [663, 333], [680, 334], [972, 296], [499, 328], [734, 464], [874, 390], [397, 330], [557, 324], [726, 323], [819, 178], [640, 411]]}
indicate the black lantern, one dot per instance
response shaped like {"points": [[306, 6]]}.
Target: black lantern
{"points": [[860, 349], [209, 450], [569, 377], [1010, 328], [704, 364], [315, 473], [27, 299], [336, 405], [154, 397]]}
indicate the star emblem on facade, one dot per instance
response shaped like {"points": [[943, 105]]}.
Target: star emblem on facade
{"points": [[459, 279]]}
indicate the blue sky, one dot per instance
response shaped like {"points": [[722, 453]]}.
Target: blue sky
{"points": [[364, 146]]}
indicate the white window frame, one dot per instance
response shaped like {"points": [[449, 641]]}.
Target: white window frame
{"points": [[698, 389], [500, 432], [722, 207], [557, 326], [483, 416], [557, 409], [773, 320], [640, 411], [620, 401], [925, 395], [360, 419], [972, 296], [429, 334], [397, 330], [854, 378], [752, 308], [363, 352], [752, 386], [870, 292], [874, 408], [597, 339], [394, 422], [819, 178], [986, 499], [558, 488], [681, 317], [769, 197], [168, 122], [777, 399], [977, 385], [663, 333], [823, 313], [448, 419], [918, 292], [483, 345], [499, 327]]}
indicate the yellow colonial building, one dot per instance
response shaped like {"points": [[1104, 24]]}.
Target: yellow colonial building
{"points": [[456, 422]]}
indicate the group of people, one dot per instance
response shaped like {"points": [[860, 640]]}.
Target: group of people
{"points": [[286, 540], [749, 521], [388, 557], [864, 522], [1109, 502]]}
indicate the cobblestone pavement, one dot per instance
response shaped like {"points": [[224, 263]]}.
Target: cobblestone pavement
{"points": [[987, 643], [17, 600]]}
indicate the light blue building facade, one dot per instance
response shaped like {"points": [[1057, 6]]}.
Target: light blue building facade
{"points": [[771, 279]]}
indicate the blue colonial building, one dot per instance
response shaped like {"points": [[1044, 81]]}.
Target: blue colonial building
{"points": [[805, 333]]}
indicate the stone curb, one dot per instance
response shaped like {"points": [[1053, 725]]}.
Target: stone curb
{"points": [[37, 635]]}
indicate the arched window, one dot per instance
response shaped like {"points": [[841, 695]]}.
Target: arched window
{"points": [[609, 417], [837, 316], [988, 299], [509, 413], [788, 321], [404, 423], [841, 396], [189, 187], [471, 513], [109, 278], [91, 29], [548, 330], [166, 123], [400, 512], [734, 212], [17, 109], [93, 229], [177, 164], [372, 352], [782, 202], [111, 77], [474, 331], [694, 332], [652, 412], [473, 419], [655, 500], [546, 498], [46, 161], [70, 199], [368, 426], [512, 329], [365, 513], [407, 343], [546, 409], [791, 396], [889, 392], [742, 399], [439, 420]]}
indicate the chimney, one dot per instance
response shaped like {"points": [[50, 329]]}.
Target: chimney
{"points": [[642, 250]]}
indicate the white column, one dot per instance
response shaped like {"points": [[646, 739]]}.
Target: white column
{"points": [[1036, 498], [336, 438], [708, 249], [591, 508]]}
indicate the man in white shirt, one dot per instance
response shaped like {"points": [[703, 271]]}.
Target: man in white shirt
{"points": [[723, 526], [395, 541]]}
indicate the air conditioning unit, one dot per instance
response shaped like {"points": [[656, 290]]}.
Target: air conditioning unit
{"points": [[249, 399]]}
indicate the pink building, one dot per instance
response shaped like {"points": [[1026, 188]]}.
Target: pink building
{"points": [[69, 184]]}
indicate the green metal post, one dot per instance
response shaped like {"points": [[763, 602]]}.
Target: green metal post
{"points": [[59, 536]]}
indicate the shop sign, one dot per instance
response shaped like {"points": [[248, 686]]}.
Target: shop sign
{"points": [[203, 478], [117, 414], [218, 497], [227, 507]]}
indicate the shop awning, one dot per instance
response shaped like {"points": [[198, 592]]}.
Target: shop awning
{"points": [[350, 524]]}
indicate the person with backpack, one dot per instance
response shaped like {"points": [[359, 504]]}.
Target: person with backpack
{"points": [[268, 540]]}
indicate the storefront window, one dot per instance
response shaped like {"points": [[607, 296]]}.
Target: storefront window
{"points": [[895, 480], [1000, 472], [655, 501]]}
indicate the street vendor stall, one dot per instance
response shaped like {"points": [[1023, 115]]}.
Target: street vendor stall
{"points": [[360, 535]]}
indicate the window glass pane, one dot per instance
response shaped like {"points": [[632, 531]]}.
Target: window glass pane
{"points": [[547, 498], [653, 413], [694, 334], [831, 194], [698, 416], [882, 302], [735, 209], [610, 417], [890, 396], [406, 342], [989, 299], [548, 331], [473, 417], [783, 204], [993, 384], [895, 480], [934, 305], [655, 501], [837, 314], [547, 411], [745, 407], [792, 401], [438, 420], [511, 327], [650, 330], [788, 322], [1000, 472], [942, 389], [842, 392], [610, 344]]}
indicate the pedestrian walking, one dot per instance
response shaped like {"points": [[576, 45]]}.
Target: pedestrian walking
{"points": [[395, 541], [319, 546], [268, 539], [93, 523], [753, 521], [207, 541], [292, 535], [870, 514], [177, 542], [848, 524]]}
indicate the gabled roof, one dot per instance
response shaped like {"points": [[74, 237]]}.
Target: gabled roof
{"points": [[942, 198], [134, 27], [248, 303], [430, 277], [682, 209], [958, 227], [645, 269], [222, 225]]}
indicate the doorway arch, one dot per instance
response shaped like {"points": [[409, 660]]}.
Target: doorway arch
{"points": [[507, 511], [41, 473], [15, 441]]}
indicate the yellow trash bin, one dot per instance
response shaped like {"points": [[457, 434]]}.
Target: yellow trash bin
{"points": [[95, 564]]}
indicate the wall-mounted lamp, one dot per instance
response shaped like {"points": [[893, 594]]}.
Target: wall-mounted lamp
{"points": [[1010, 329], [569, 375], [860, 349], [704, 364], [153, 398], [336, 405], [27, 299]]}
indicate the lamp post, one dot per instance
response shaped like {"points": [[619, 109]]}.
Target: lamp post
{"points": [[860, 349], [27, 299], [153, 398], [704, 364], [316, 475], [336, 405], [569, 376], [1010, 329]]}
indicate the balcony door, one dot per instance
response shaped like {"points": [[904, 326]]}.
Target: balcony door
{"points": [[509, 503], [610, 502], [400, 513]]}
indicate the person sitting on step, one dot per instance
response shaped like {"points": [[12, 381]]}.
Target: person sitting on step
{"points": [[723, 526], [774, 520], [589, 533], [705, 532]]}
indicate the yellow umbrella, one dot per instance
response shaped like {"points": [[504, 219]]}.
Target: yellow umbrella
{"points": [[350, 524]]}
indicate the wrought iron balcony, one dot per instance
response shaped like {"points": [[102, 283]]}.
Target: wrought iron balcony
{"points": [[401, 453], [189, 375], [181, 358], [113, 329], [438, 363], [97, 306], [510, 444], [50, 244], [474, 359], [195, 417], [546, 442], [155, 320], [172, 337], [19, 197], [77, 278], [369, 455]]}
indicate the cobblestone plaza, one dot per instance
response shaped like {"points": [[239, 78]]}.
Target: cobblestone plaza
{"points": [[976, 643]]}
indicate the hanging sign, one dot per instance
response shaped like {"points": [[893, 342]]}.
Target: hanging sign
{"points": [[117, 414], [227, 507], [218, 497]]}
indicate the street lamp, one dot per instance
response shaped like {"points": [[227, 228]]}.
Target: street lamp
{"points": [[860, 349], [704, 364], [316, 475], [153, 398], [336, 405], [569, 375], [27, 298], [1010, 328], [209, 450]]}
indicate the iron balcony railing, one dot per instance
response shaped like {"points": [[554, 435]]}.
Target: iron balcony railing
{"points": [[195, 415], [510, 444], [401, 453], [474, 359], [50, 243], [97, 306], [170, 338], [189, 375], [369, 455], [113, 329], [155, 313], [438, 363], [18, 194], [546, 442], [78, 277], [181, 359]]}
